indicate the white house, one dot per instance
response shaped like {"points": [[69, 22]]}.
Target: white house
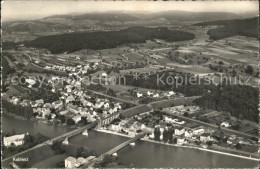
{"points": [[104, 74], [156, 95], [187, 134], [198, 131], [63, 112], [15, 100], [149, 93], [15, 140], [205, 137], [171, 93], [57, 104], [180, 141], [139, 95], [225, 124], [76, 118], [179, 132], [70, 162], [45, 112], [115, 127]]}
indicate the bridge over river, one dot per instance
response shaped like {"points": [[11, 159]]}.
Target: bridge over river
{"points": [[68, 134], [115, 149]]}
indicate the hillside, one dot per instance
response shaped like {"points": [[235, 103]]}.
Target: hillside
{"points": [[104, 40], [99, 17], [243, 27], [119, 18], [195, 16]]}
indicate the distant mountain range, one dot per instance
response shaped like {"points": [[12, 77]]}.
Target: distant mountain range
{"points": [[115, 18], [168, 15]]}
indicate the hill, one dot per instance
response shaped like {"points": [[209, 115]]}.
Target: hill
{"points": [[243, 27], [75, 22], [195, 16], [104, 40]]}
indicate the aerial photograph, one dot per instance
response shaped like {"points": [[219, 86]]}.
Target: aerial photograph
{"points": [[130, 84]]}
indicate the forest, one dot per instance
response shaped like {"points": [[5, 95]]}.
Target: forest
{"points": [[243, 27], [240, 100], [105, 40], [25, 111]]}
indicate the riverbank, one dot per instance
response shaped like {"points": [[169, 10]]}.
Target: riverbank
{"points": [[182, 146], [43, 121]]}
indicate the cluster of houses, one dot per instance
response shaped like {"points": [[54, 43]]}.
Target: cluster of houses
{"points": [[182, 134], [72, 162], [180, 110], [72, 103], [155, 95], [44, 109], [79, 69]]}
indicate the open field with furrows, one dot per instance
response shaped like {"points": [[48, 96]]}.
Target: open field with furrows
{"points": [[239, 49]]}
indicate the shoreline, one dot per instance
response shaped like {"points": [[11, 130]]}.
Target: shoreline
{"points": [[35, 120], [181, 146], [148, 140]]}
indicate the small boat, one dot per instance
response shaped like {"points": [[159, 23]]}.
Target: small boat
{"points": [[132, 144], [85, 133], [114, 154]]}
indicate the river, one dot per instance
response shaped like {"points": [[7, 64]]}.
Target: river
{"points": [[143, 154]]}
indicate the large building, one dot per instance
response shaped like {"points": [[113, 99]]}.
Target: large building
{"points": [[15, 140]]}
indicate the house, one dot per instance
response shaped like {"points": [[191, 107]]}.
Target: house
{"points": [[179, 131], [156, 95], [225, 124], [205, 137], [171, 93], [65, 142], [115, 127], [70, 162], [104, 74], [47, 105], [45, 111], [53, 116], [188, 134], [24, 103], [14, 100], [106, 105], [39, 102], [15, 140], [198, 131], [180, 141], [139, 95], [76, 118], [69, 99], [73, 108], [149, 93], [63, 112], [57, 104], [30, 82], [178, 122]]}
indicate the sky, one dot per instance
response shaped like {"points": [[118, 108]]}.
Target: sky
{"points": [[18, 10]]}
